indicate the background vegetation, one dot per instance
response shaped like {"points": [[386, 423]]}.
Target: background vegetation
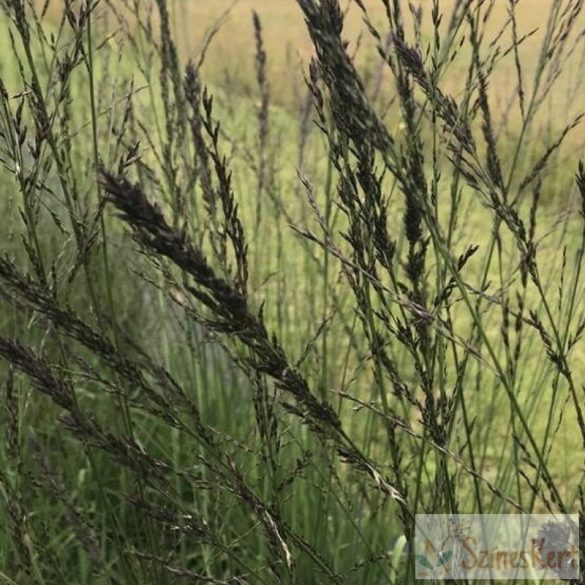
{"points": [[278, 275]]}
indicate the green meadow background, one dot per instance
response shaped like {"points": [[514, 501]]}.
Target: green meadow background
{"points": [[74, 512]]}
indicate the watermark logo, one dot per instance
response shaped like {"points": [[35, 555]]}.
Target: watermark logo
{"points": [[497, 546]]}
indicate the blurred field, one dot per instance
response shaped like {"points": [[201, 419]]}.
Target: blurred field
{"points": [[289, 47], [230, 59]]}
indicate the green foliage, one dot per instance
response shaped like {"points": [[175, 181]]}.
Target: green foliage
{"points": [[244, 343]]}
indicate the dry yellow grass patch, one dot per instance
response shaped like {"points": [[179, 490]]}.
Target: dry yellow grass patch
{"points": [[288, 43], [289, 47], [230, 59]]}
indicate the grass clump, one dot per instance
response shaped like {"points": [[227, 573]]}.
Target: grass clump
{"points": [[241, 340]]}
